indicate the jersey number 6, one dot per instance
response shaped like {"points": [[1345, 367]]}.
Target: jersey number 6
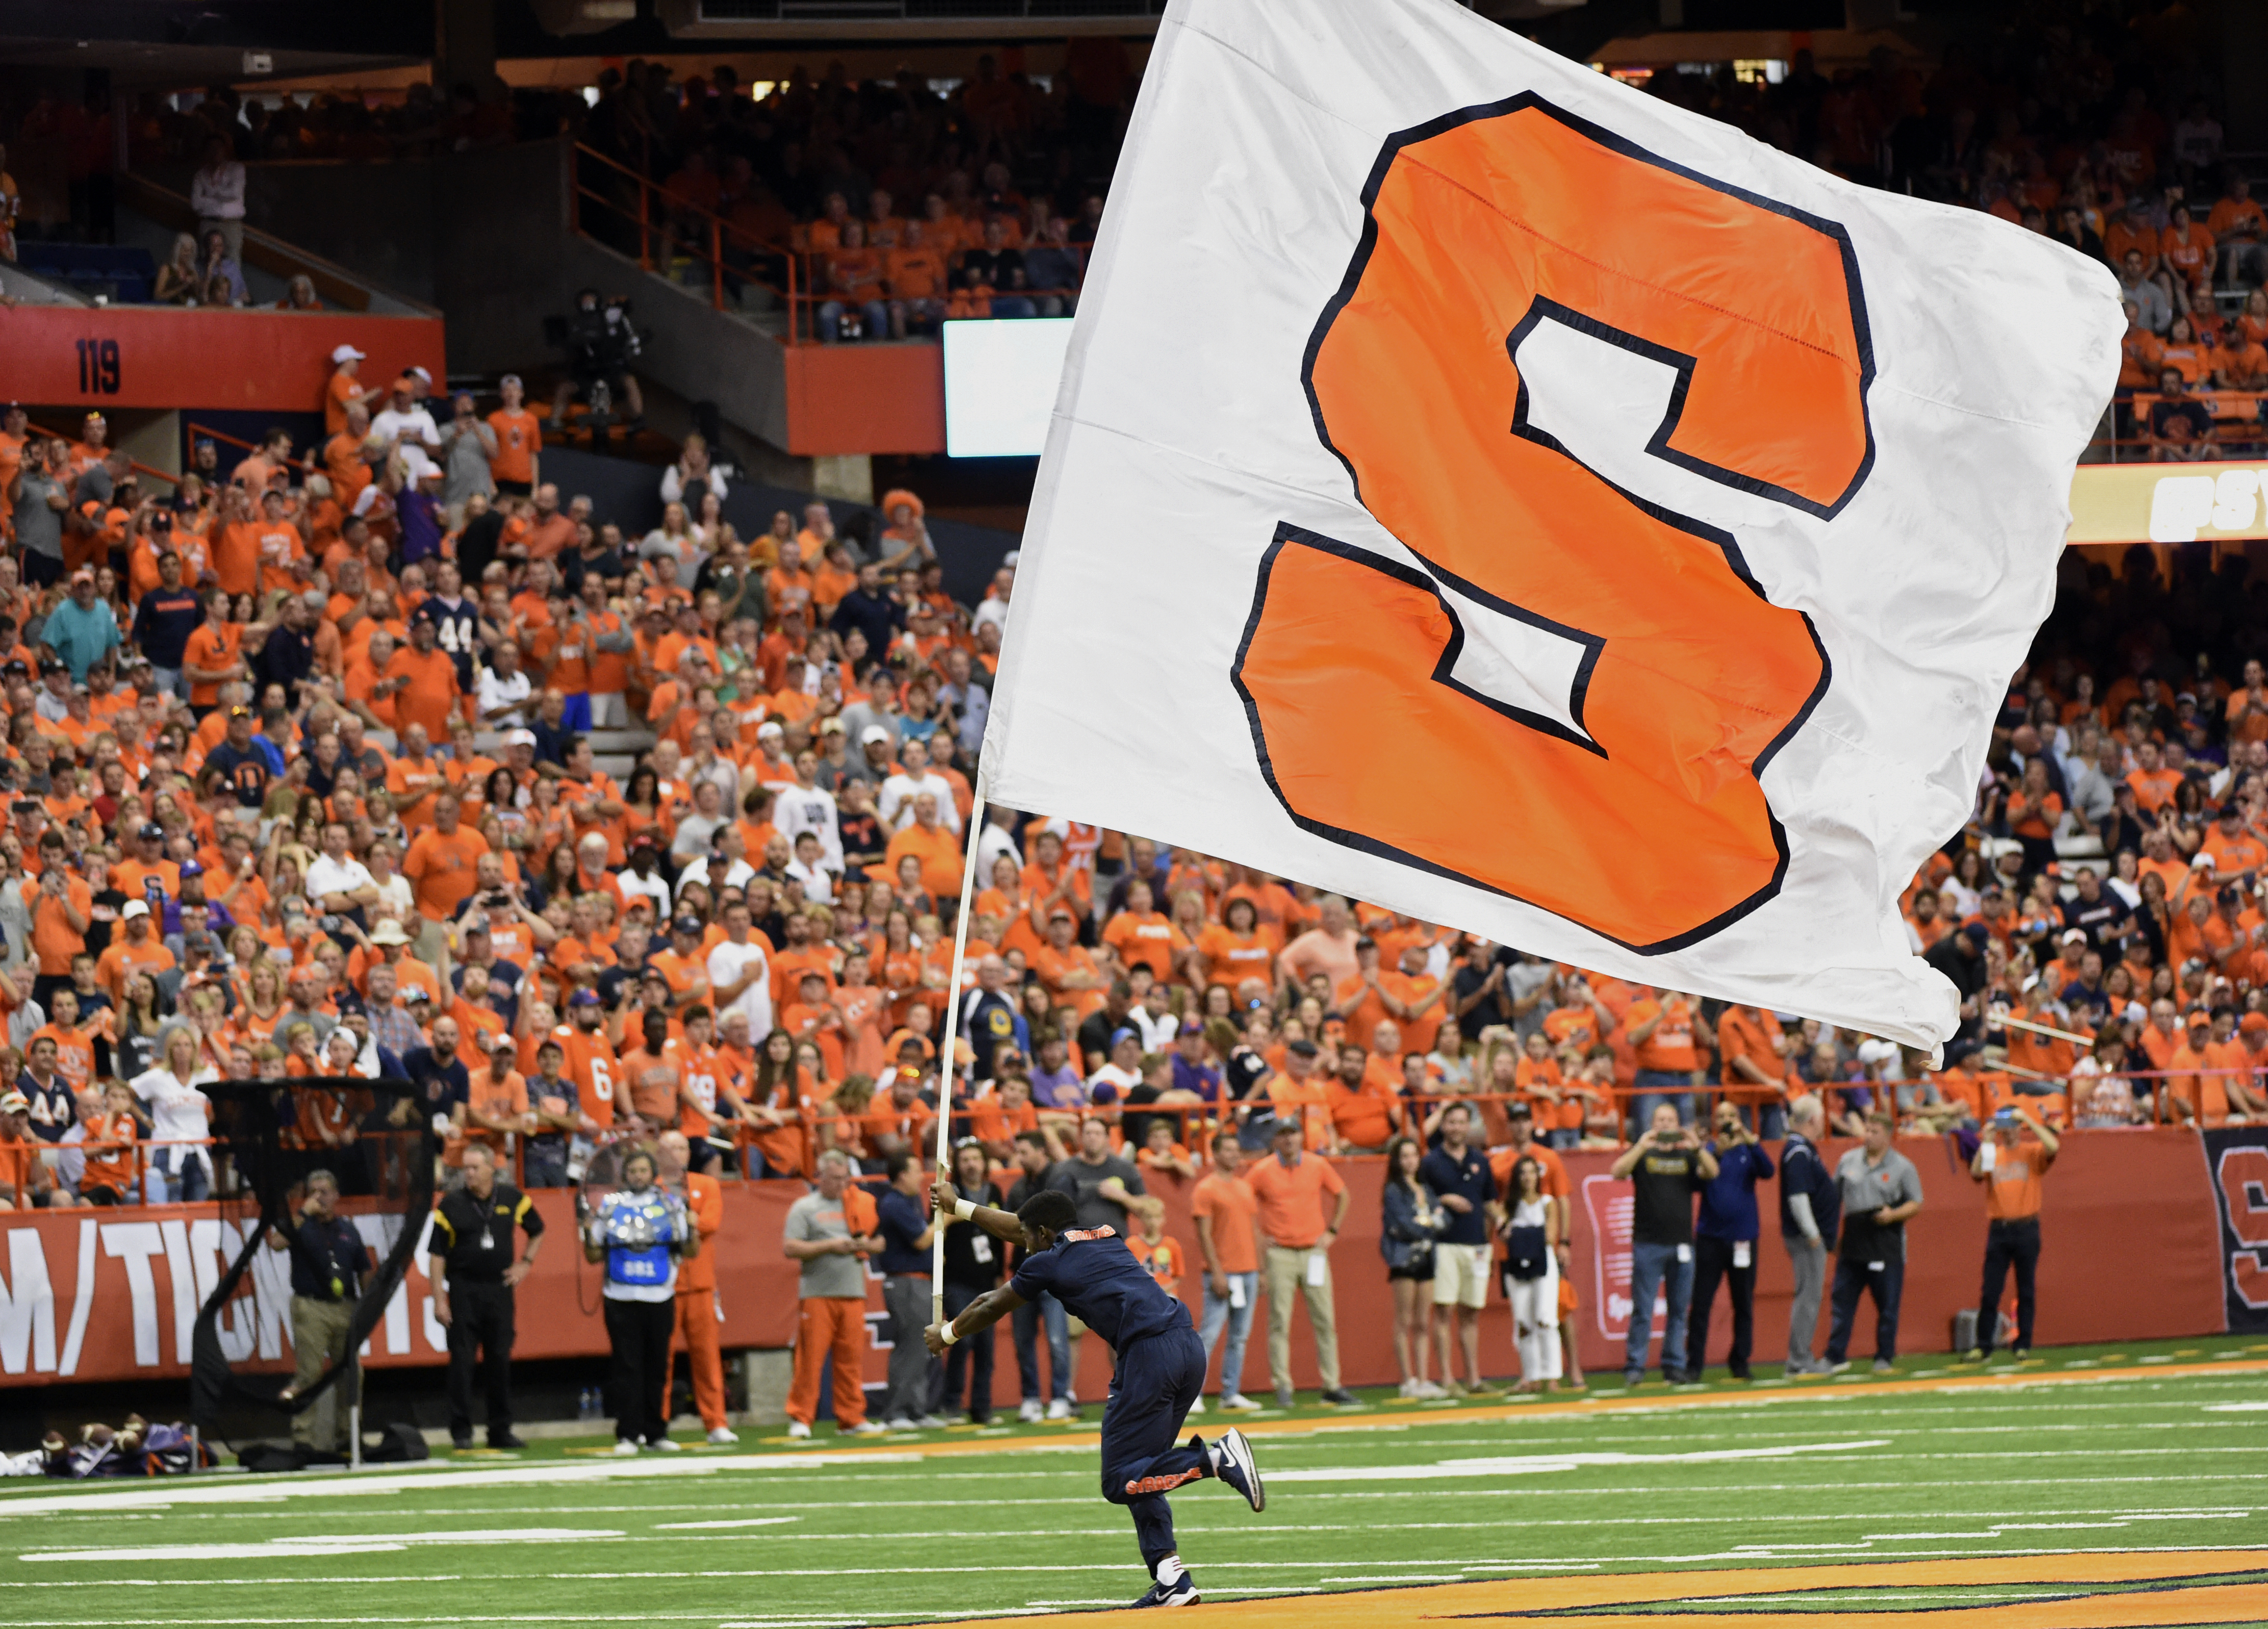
{"points": [[1565, 689]]}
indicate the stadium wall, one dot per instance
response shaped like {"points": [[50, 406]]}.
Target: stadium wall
{"points": [[2149, 1234]]}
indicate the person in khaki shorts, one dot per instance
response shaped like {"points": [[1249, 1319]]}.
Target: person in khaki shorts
{"points": [[1459, 1173], [1290, 1187]]}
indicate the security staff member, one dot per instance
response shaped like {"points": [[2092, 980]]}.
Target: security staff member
{"points": [[471, 1239]]}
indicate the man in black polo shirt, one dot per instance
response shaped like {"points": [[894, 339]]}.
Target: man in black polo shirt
{"points": [[329, 1262], [163, 622], [1459, 1173], [474, 1276], [1667, 1165]]}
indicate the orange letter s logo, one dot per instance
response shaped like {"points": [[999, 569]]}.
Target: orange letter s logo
{"points": [[1567, 691]]}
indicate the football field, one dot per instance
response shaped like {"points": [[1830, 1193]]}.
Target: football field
{"points": [[2097, 1486]]}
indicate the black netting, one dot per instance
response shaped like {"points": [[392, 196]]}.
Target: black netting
{"points": [[265, 1142]]}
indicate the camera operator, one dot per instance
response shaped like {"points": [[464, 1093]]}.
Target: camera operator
{"points": [[602, 345], [1666, 1166], [329, 1264]]}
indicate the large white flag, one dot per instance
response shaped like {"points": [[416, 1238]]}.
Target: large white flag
{"points": [[1481, 489]]}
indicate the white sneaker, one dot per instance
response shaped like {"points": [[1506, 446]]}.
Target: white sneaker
{"points": [[1241, 1404], [666, 1446], [1060, 1408], [1196, 1407], [796, 1430], [1427, 1390], [866, 1428], [624, 1447], [898, 1423], [929, 1422], [725, 1436], [1409, 1388], [1030, 1412]]}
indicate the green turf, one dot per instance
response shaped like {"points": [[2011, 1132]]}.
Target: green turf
{"points": [[550, 1535]]}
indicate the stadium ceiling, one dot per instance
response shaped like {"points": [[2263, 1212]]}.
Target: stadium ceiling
{"points": [[177, 41], [895, 20]]}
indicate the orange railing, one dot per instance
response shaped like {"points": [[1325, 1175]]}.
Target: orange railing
{"points": [[134, 464], [1195, 1124], [2237, 422], [304, 465], [800, 289], [653, 220]]}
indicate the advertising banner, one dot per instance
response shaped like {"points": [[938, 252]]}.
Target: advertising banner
{"points": [[2237, 1159]]}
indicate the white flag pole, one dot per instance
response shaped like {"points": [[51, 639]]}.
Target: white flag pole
{"points": [[946, 1063]]}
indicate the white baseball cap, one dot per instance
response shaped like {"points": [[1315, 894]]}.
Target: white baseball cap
{"points": [[347, 353], [874, 733], [134, 908]]}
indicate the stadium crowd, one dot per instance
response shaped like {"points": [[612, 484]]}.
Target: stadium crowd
{"points": [[304, 776], [302, 782]]}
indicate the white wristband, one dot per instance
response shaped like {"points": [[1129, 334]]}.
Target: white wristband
{"points": [[963, 1209], [946, 1335]]}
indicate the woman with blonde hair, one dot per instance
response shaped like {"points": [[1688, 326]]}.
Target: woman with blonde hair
{"points": [[180, 1170], [179, 280]]}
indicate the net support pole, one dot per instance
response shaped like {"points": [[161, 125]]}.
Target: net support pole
{"points": [[354, 1436], [947, 1065]]}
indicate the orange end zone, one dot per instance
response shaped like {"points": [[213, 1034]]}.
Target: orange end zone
{"points": [[2089, 1596]]}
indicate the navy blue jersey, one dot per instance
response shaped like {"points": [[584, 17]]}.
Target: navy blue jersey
{"points": [[456, 630], [1095, 1276]]}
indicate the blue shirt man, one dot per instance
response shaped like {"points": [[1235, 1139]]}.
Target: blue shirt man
{"points": [[1725, 1241], [166, 617], [1161, 1366], [81, 630], [901, 1214], [1458, 1168]]}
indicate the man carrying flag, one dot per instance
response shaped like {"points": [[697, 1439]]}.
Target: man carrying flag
{"points": [[1161, 1366]]}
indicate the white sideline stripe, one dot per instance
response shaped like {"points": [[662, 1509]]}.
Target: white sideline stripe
{"points": [[1535, 1464], [864, 1616], [2236, 1408], [276, 1549], [687, 1527], [264, 1491], [1835, 1491], [441, 1474], [1986, 1528]]}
